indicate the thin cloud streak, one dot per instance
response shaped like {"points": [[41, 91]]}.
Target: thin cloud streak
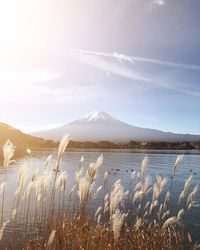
{"points": [[159, 2], [100, 60], [132, 59], [97, 59], [28, 76], [110, 67]]}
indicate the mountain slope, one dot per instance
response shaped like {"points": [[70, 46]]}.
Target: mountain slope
{"points": [[20, 140], [98, 126]]}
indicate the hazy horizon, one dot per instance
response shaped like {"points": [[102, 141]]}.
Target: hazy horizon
{"points": [[137, 60]]}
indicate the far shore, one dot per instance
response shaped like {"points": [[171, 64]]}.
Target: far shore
{"points": [[137, 146]]}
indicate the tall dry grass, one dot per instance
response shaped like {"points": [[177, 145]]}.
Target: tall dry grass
{"points": [[54, 215]]}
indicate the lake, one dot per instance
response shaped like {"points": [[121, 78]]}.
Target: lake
{"points": [[160, 162]]}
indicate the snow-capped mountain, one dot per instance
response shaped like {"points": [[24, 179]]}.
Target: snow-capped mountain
{"points": [[97, 116], [100, 126]]}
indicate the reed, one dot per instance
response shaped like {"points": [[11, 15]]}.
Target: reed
{"points": [[8, 153], [138, 218]]}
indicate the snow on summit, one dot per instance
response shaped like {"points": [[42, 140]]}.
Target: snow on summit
{"points": [[98, 116]]}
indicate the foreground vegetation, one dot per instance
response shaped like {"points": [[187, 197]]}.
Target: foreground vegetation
{"points": [[54, 215]]}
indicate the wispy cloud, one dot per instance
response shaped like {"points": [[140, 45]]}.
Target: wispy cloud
{"points": [[28, 76], [109, 66], [117, 66], [159, 2], [25, 86], [132, 59]]}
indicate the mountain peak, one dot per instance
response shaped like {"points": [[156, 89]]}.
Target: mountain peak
{"points": [[100, 126], [98, 116]]}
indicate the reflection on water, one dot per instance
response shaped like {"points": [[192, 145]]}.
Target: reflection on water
{"points": [[120, 164]]}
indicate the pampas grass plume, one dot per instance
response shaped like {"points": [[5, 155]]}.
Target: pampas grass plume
{"points": [[51, 238], [117, 222], [2, 228], [144, 165], [178, 162], [8, 152]]}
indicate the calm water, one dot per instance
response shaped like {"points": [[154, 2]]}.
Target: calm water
{"points": [[161, 162]]}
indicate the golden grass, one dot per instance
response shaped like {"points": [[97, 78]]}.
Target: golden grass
{"points": [[57, 216]]}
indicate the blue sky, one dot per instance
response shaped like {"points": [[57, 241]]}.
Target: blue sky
{"points": [[137, 60]]}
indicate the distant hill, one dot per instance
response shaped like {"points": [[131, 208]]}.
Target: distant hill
{"points": [[100, 126], [21, 140]]}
